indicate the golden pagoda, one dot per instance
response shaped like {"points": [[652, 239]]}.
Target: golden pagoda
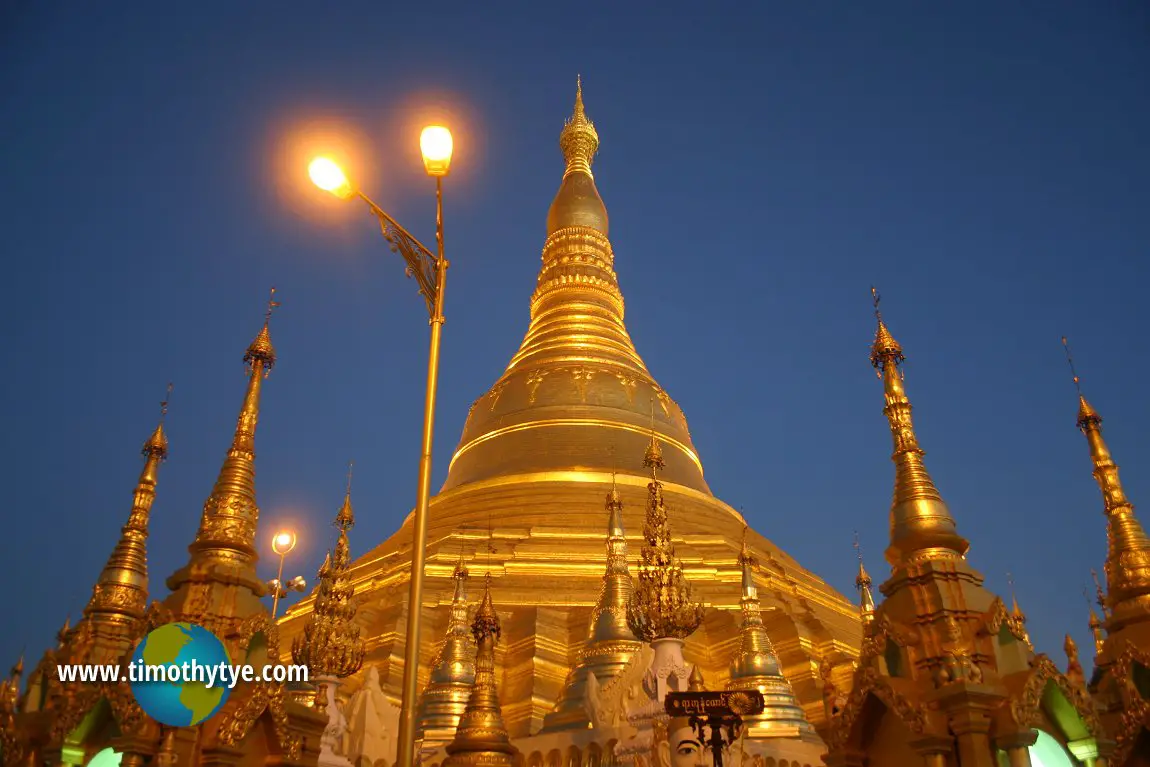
{"points": [[452, 673], [67, 723], [610, 643], [1122, 635], [947, 674], [756, 667], [481, 738], [537, 457]]}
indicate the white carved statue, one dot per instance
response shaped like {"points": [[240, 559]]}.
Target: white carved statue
{"points": [[373, 722]]}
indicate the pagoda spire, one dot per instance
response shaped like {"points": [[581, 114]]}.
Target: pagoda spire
{"points": [[330, 644], [1128, 554], [756, 666], [1096, 626], [452, 672], [120, 595], [661, 605], [920, 523], [219, 584], [863, 584], [481, 738], [610, 641]]}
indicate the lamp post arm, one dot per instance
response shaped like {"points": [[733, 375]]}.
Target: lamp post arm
{"points": [[421, 262]]}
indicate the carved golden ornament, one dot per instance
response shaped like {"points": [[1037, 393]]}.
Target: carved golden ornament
{"points": [[264, 696], [661, 603], [868, 681], [1026, 708], [740, 703], [495, 393], [534, 378], [130, 718], [582, 376], [997, 616]]}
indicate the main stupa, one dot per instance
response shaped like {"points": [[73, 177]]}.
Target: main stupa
{"points": [[564, 427]]}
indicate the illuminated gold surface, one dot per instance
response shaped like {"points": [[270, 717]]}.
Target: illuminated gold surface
{"points": [[120, 596], [610, 643], [661, 604], [219, 585], [452, 673], [577, 386], [481, 738], [330, 644], [921, 525], [947, 674], [756, 667], [535, 462], [1128, 554]]}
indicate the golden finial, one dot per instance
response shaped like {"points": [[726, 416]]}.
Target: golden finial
{"points": [[1015, 610], [695, 682], [1087, 415], [1100, 595], [157, 444], [579, 140], [863, 584], [261, 354], [331, 644], [885, 350], [920, 522], [653, 458], [345, 519]]}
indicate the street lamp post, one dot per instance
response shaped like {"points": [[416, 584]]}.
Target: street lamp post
{"points": [[430, 271], [282, 544]]}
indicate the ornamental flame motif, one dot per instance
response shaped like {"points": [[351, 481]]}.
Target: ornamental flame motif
{"points": [[661, 606], [330, 644]]}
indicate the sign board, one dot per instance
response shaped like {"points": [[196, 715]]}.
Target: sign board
{"points": [[718, 704]]}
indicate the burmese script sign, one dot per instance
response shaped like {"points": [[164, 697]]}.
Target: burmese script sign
{"points": [[717, 704]]}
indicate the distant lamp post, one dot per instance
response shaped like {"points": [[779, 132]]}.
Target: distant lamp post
{"points": [[430, 271], [282, 544]]}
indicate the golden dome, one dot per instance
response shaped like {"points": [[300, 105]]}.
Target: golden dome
{"points": [[578, 203], [576, 393]]}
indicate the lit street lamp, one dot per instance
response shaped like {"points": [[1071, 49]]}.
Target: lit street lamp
{"points": [[430, 271], [282, 544]]}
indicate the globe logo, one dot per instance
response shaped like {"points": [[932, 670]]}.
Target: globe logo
{"points": [[178, 674]]}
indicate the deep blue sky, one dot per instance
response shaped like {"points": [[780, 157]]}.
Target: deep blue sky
{"points": [[985, 164]]}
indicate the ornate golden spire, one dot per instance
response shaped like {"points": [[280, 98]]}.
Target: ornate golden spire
{"points": [[579, 140], [1095, 625], [120, 595], [695, 682], [920, 523], [863, 584], [610, 642], [1128, 555], [481, 737], [331, 645], [756, 666], [576, 378], [661, 605], [452, 672], [1016, 613], [219, 584]]}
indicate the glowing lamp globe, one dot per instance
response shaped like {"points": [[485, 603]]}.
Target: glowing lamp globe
{"points": [[283, 542], [330, 177], [435, 143]]}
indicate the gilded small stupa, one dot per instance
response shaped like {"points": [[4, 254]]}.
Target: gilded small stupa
{"points": [[611, 643], [331, 645], [947, 673], [481, 737], [756, 667], [537, 456], [452, 672], [120, 596], [1122, 634]]}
